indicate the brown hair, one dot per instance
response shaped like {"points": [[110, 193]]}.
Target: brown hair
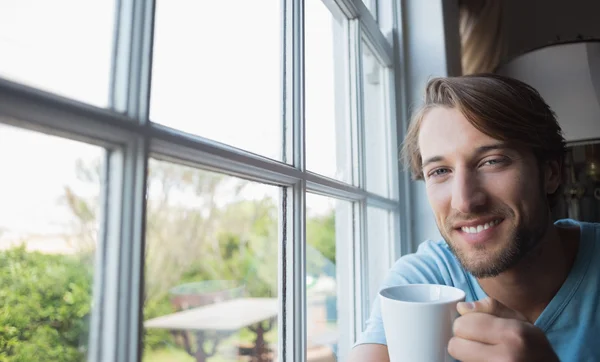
{"points": [[500, 107]]}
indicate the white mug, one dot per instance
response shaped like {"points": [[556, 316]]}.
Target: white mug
{"points": [[417, 319]]}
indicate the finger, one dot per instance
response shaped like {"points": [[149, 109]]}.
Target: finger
{"points": [[469, 351], [489, 306], [483, 327]]}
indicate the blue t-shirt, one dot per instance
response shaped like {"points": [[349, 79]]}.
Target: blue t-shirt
{"points": [[571, 321]]}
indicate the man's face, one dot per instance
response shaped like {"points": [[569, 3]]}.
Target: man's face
{"points": [[489, 199]]}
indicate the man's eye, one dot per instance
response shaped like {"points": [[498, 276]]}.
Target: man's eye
{"points": [[494, 161], [438, 172]]}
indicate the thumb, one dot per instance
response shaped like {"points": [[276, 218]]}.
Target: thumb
{"points": [[489, 306]]}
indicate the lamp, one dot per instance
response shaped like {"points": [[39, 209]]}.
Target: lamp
{"points": [[567, 75]]}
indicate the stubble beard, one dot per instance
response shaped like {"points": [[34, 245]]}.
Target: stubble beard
{"points": [[522, 237]]}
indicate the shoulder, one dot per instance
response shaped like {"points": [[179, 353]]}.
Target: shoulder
{"points": [[433, 262], [576, 223], [589, 231]]}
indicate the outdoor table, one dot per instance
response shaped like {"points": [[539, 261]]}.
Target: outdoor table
{"points": [[222, 317]]}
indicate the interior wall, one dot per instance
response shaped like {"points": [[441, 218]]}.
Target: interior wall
{"points": [[431, 42]]}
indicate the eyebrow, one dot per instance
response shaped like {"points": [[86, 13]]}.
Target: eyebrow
{"points": [[478, 150]]}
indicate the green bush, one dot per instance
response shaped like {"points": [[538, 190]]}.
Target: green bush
{"points": [[45, 303]]}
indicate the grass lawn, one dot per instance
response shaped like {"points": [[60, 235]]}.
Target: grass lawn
{"points": [[167, 355], [177, 354]]}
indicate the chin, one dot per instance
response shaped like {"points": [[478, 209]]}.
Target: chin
{"points": [[486, 268], [489, 260]]}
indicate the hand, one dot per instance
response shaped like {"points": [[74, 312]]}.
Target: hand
{"points": [[489, 331]]}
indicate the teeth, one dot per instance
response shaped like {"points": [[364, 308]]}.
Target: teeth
{"points": [[479, 228]]}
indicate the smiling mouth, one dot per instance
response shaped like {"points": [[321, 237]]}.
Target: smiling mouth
{"points": [[479, 228]]}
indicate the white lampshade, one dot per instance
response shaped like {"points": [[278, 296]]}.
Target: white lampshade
{"points": [[568, 78]]}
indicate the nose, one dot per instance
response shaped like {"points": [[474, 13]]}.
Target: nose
{"points": [[467, 194]]}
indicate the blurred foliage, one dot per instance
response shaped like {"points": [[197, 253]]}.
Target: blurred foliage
{"points": [[46, 301], [320, 251], [190, 237]]}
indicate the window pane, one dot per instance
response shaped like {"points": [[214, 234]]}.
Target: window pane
{"points": [[61, 46], [216, 71], [328, 236], [48, 233], [327, 122], [376, 124], [385, 16], [211, 267], [378, 248]]}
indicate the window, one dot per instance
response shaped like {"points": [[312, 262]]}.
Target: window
{"points": [[328, 228], [326, 112], [211, 266], [379, 224], [60, 46], [216, 181], [48, 244], [225, 87], [377, 135]]}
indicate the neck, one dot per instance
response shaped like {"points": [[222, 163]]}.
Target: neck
{"points": [[529, 286]]}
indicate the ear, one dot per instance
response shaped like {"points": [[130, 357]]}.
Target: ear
{"points": [[552, 175]]}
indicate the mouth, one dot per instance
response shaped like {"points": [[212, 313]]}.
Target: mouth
{"points": [[476, 229], [477, 234]]}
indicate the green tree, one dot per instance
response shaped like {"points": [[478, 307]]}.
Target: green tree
{"points": [[320, 237], [46, 301], [181, 223], [320, 234], [190, 237]]}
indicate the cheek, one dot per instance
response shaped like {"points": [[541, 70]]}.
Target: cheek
{"points": [[439, 197], [533, 198], [509, 188]]}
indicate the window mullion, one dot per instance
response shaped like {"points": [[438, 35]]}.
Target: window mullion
{"points": [[358, 156], [122, 248], [296, 83], [292, 335], [130, 94], [356, 107], [130, 79], [294, 341]]}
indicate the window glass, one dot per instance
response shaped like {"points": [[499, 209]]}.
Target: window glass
{"points": [[378, 248], [50, 189], [328, 236], [375, 113], [216, 71], [60, 46], [211, 267], [326, 115]]}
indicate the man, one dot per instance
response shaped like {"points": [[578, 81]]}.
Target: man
{"points": [[490, 152]]}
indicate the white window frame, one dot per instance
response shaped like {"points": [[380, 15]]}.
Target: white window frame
{"points": [[125, 131]]}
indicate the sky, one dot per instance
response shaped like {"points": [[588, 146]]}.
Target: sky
{"points": [[216, 73]]}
